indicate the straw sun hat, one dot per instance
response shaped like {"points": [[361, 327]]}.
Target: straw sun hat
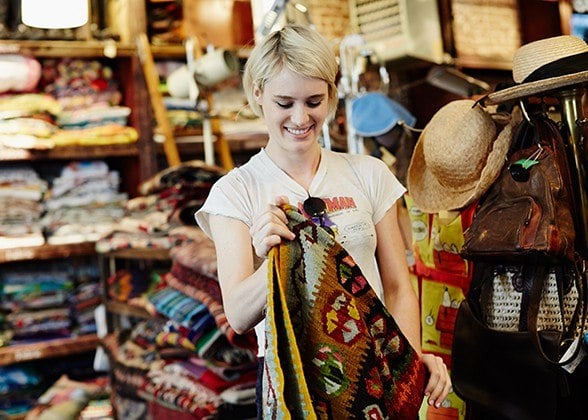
{"points": [[458, 156], [546, 65]]}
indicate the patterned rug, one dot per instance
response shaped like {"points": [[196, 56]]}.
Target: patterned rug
{"points": [[333, 351]]}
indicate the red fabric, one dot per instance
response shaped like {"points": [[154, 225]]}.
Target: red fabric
{"points": [[158, 411]]}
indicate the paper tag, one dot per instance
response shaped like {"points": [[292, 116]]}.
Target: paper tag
{"points": [[573, 364]]}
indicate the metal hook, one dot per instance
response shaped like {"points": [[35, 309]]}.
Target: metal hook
{"points": [[409, 128], [524, 111]]}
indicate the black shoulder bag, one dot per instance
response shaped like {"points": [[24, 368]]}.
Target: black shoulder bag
{"points": [[515, 374]]}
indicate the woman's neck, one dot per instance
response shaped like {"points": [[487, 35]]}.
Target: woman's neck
{"points": [[300, 167]]}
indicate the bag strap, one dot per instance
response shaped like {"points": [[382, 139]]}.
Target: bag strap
{"points": [[524, 136], [540, 279], [479, 278]]}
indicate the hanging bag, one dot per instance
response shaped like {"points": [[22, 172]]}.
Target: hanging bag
{"points": [[527, 213], [518, 374]]}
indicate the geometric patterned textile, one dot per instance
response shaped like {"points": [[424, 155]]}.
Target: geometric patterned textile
{"points": [[333, 351]]}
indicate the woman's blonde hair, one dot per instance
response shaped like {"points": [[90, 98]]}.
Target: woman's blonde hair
{"points": [[301, 50]]}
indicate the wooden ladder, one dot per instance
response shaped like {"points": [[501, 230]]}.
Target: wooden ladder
{"points": [[169, 144]]}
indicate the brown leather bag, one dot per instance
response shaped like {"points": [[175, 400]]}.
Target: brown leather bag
{"points": [[527, 213]]}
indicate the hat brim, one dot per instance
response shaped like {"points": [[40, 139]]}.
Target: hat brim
{"points": [[430, 196], [377, 131], [534, 88]]}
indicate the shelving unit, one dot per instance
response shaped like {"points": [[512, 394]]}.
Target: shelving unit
{"points": [[135, 163], [109, 264]]}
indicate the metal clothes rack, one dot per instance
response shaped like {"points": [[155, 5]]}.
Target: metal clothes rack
{"points": [[572, 117]]}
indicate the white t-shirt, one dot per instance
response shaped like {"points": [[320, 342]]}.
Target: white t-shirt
{"points": [[357, 189]]}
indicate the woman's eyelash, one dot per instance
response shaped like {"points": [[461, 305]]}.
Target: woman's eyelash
{"points": [[309, 104]]}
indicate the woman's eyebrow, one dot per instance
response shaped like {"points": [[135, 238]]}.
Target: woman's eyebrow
{"points": [[312, 97]]}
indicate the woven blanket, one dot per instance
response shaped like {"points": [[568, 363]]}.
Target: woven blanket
{"points": [[333, 351]]}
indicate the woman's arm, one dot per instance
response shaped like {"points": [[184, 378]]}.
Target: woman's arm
{"points": [[243, 288], [402, 302], [399, 296], [242, 278]]}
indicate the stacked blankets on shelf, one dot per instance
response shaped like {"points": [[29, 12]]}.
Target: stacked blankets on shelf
{"points": [[82, 192], [32, 214], [50, 300], [90, 101], [71, 102], [167, 203], [21, 192]]}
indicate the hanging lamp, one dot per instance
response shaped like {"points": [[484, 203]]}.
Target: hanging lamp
{"points": [[54, 14]]}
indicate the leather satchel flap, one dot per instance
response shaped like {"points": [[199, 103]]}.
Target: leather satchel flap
{"points": [[527, 213]]}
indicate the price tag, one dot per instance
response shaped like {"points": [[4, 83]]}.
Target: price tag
{"points": [[573, 364], [27, 355], [18, 254]]}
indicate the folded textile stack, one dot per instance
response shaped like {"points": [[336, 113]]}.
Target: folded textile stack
{"points": [[186, 356], [78, 83], [21, 191], [27, 131], [66, 399], [83, 191], [90, 100], [182, 113], [24, 124], [39, 305], [169, 200], [86, 298], [149, 367], [20, 386], [50, 300]]}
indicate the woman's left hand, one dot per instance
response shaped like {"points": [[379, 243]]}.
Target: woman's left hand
{"points": [[439, 385]]}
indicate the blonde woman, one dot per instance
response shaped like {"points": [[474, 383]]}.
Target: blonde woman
{"points": [[289, 80]]}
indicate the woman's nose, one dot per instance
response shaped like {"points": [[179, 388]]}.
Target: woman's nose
{"points": [[299, 115]]}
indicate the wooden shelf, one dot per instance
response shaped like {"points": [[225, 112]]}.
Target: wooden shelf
{"points": [[47, 252], [92, 49], [47, 49], [46, 349], [125, 309], [139, 254], [484, 64], [238, 143], [70, 152]]}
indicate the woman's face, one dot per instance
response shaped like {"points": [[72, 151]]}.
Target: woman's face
{"points": [[294, 109]]}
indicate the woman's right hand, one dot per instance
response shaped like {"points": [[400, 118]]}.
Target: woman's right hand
{"points": [[270, 227]]}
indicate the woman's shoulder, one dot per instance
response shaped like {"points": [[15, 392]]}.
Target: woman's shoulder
{"points": [[245, 171], [356, 160]]}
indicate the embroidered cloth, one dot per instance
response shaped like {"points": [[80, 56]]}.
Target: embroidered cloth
{"points": [[332, 349]]}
